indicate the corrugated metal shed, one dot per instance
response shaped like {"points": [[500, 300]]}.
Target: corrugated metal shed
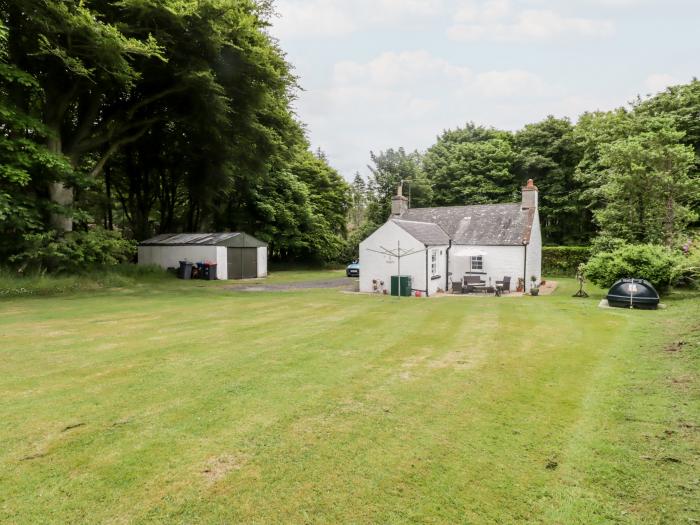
{"points": [[428, 233], [230, 240], [484, 224]]}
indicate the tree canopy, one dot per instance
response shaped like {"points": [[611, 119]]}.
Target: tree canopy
{"points": [[152, 116]]}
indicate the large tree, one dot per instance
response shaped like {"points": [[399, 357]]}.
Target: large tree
{"points": [[24, 158], [389, 169], [358, 201], [648, 190], [548, 153], [110, 72], [471, 165]]}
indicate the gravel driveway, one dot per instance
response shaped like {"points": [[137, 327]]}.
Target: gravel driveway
{"points": [[345, 283]]}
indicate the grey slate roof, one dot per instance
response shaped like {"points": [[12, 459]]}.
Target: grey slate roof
{"points": [[230, 239], [483, 224], [428, 233]]}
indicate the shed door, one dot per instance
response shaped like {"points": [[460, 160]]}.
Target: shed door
{"points": [[242, 263]]}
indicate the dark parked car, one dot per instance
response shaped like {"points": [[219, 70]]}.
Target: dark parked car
{"points": [[353, 269]]}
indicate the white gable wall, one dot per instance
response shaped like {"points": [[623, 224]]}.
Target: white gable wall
{"points": [[262, 261], [375, 266], [221, 263], [534, 253], [499, 262]]}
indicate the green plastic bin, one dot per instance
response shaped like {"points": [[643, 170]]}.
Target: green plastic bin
{"points": [[405, 288]]}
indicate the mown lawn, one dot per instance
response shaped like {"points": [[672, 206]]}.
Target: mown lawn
{"points": [[182, 403]]}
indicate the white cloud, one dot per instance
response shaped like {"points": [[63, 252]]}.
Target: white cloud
{"points": [[514, 82], [407, 98], [313, 18], [660, 81], [360, 97], [494, 20], [409, 69]]}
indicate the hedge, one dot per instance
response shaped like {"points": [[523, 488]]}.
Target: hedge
{"points": [[563, 260]]}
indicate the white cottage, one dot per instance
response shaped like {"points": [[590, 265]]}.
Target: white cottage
{"points": [[441, 245]]}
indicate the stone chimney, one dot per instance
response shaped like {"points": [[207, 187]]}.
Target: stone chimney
{"points": [[399, 203], [530, 195]]}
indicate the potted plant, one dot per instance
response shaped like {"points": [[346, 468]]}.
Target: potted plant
{"points": [[534, 289], [521, 285]]}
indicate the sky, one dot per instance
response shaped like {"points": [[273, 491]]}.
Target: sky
{"points": [[379, 74]]}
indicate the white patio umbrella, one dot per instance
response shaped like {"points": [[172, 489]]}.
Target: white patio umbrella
{"points": [[468, 251]]}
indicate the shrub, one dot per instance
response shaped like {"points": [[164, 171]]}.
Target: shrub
{"points": [[690, 264], [563, 260], [606, 243], [657, 264], [74, 252]]}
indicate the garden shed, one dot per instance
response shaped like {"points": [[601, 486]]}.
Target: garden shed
{"points": [[237, 255]]}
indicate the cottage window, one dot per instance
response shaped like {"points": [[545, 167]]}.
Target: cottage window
{"points": [[477, 262], [433, 262]]}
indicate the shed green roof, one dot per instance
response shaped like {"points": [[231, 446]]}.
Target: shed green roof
{"points": [[229, 239]]}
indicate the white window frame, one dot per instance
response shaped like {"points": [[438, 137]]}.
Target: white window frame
{"points": [[433, 262], [477, 263]]}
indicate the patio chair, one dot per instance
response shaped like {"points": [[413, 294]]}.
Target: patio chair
{"points": [[457, 287], [504, 284]]}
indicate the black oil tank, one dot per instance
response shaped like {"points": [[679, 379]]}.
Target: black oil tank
{"points": [[633, 293]]}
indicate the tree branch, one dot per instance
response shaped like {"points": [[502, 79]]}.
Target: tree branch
{"points": [[94, 142], [108, 129], [86, 121], [153, 98], [113, 148]]}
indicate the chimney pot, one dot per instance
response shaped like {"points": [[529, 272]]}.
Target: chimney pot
{"points": [[529, 195], [399, 203]]}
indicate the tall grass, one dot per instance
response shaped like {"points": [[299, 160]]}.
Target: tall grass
{"points": [[13, 284]]}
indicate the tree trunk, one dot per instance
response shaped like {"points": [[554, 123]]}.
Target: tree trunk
{"points": [[669, 220], [108, 190], [60, 194]]}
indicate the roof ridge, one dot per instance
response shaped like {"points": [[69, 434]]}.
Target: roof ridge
{"points": [[417, 222], [466, 206]]}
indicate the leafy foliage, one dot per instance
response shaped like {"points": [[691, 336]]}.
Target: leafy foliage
{"points": [[563, 260], [74, 252], [23, 157], [657, 264], [389, 169], [648, 190], [161, 116], [471, 165], [158, 132], [548, 153]]}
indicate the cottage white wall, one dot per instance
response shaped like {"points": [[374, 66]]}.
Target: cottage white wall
{"points": [[534, 253], [436, 281], [375, 266], [499, 262], [262, 261], [170, 256]]}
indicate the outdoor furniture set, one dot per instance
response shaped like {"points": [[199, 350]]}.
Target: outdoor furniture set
{"points": [[474, 284]]}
